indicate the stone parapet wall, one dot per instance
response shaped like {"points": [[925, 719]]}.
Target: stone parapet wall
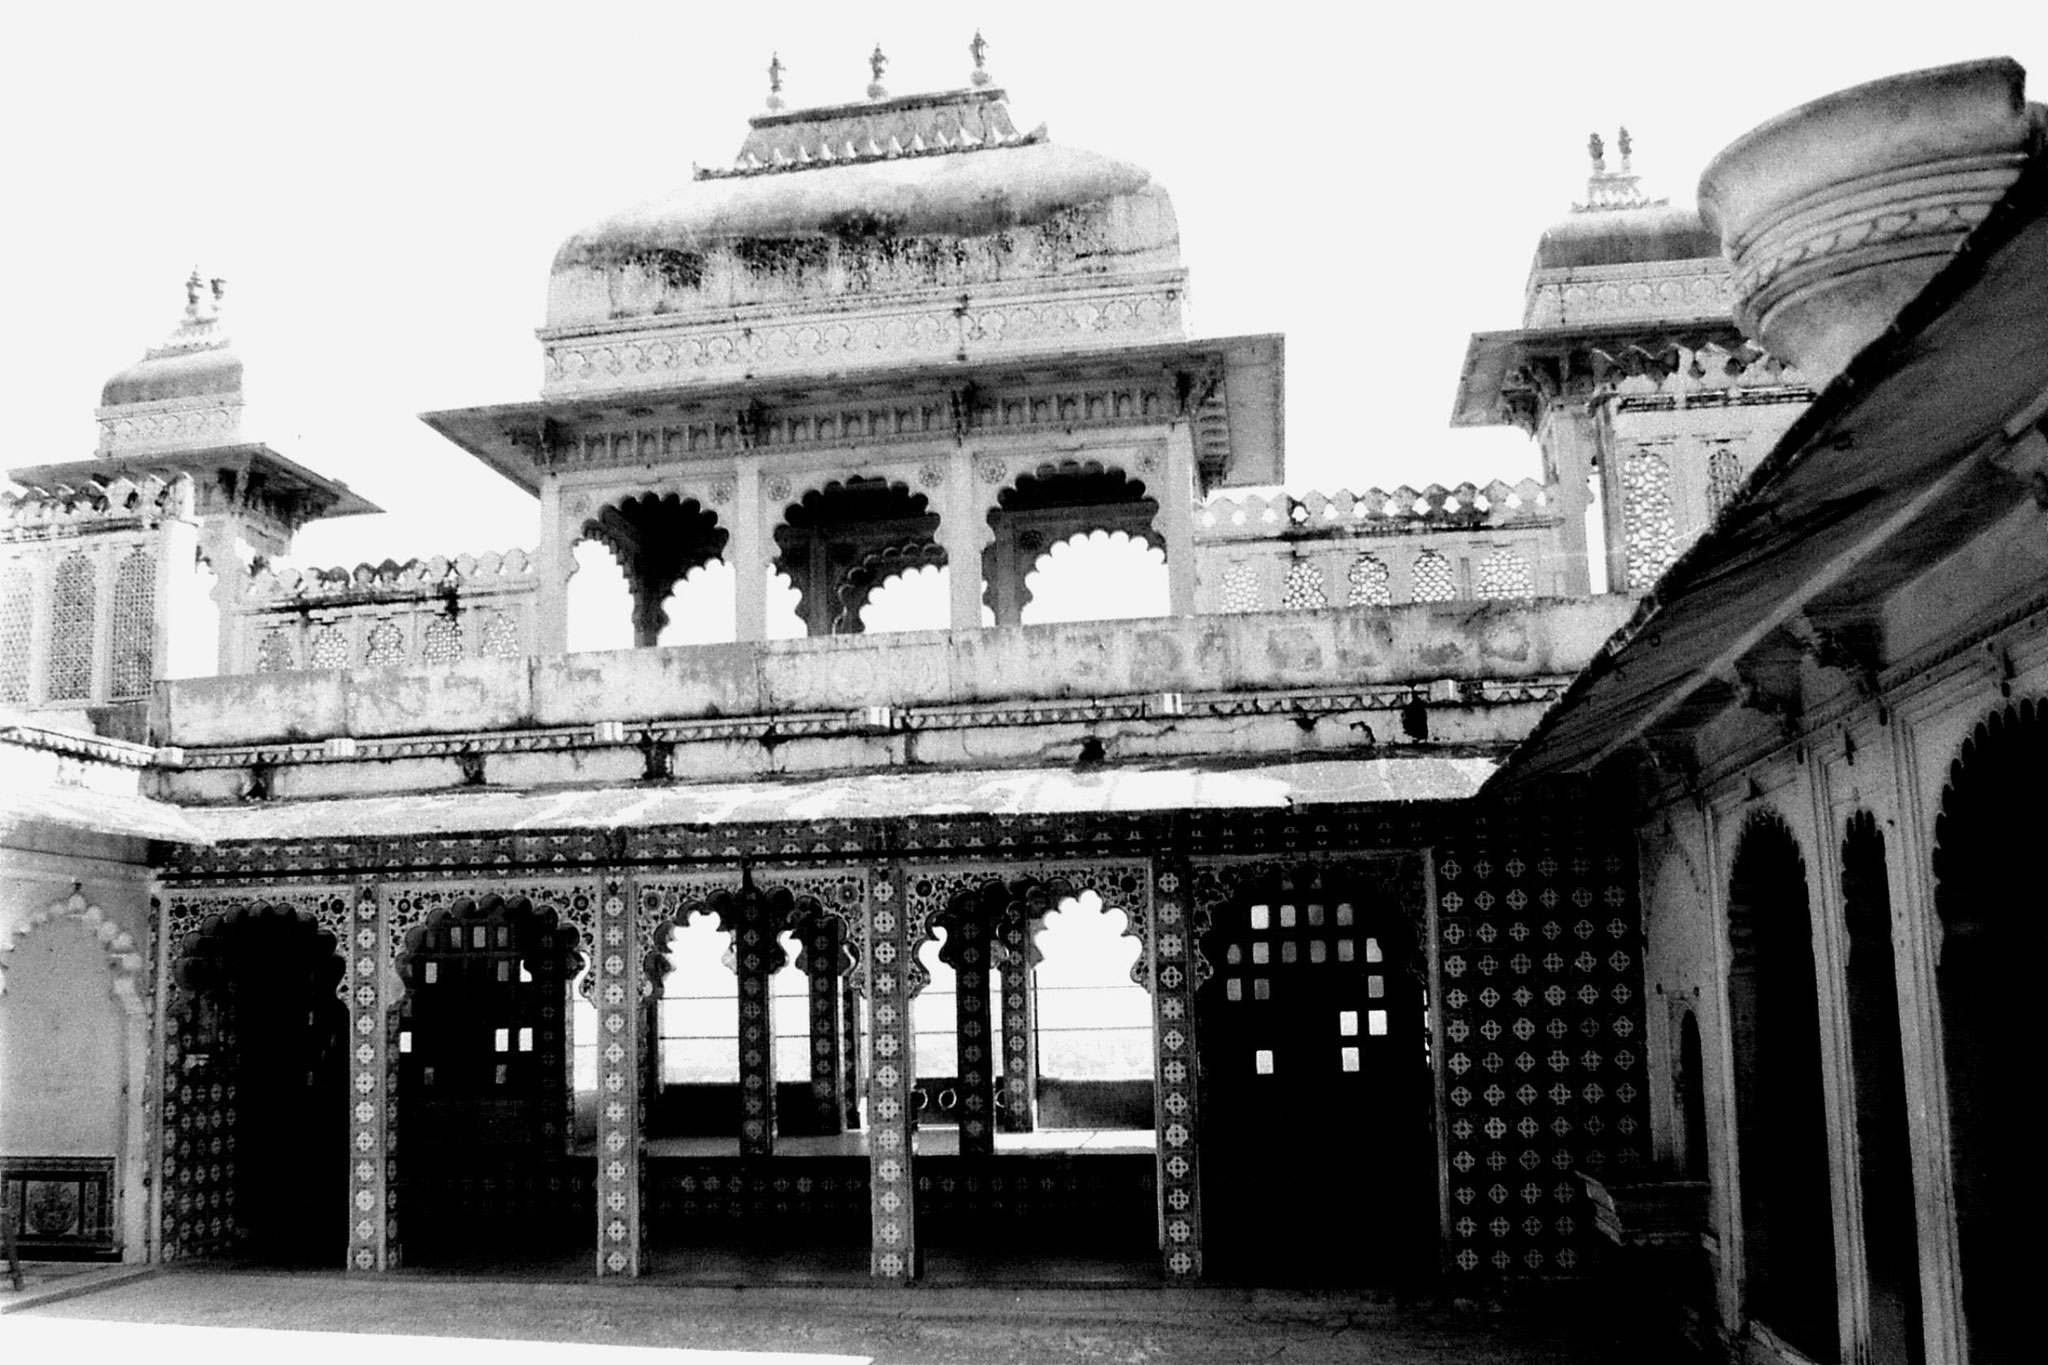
{"points": [[1472, 642], [424, 611], [1308, 551]]}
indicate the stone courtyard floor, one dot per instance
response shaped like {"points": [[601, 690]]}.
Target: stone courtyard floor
{"points": [[318, 1318]]}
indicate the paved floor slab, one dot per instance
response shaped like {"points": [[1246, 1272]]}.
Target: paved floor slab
{"points": [[311, 1319]]}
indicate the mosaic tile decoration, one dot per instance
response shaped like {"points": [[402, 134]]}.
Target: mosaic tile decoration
{"points": [[615, 977], [891, 1126]]}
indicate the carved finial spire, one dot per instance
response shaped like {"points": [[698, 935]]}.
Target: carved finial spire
{"points": [[195, 284], [1607, 189], [775, 70], [979, 50], [877, 63]]}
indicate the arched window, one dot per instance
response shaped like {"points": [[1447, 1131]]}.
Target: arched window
{"points": [[1993, 935], [1094, 1022], [700, 1006], [1877, 1061], [1690, 1084], [1781, 1127]]}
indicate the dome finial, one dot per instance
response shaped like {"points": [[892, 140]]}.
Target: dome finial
{"points": [[1607, 189], [775, 70], [877, 63], [979, 49]]}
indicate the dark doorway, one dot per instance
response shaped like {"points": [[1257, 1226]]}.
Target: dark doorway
{"points": [[1692, 1100], [1993, 932], [1890, 1239], [1318, 1164], [266, 1025], [1781, 1126], [484, 1100]]}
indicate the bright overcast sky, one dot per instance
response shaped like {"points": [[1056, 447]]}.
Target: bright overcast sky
{"points": [[384, 185]]}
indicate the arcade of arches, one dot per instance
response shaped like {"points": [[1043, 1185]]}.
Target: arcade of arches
{"points": [[1054, 538], [695, 1059]]}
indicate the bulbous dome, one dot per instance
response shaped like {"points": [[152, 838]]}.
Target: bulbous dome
{"points": [[865, 215], [1629, 236], [181, 374], [195, 362]]}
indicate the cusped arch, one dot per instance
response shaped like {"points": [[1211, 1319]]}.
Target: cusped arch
{"points": [[1051, 504], [1991, 938], [125, 962], [657, 538], [1020, 903], [840, 540]]}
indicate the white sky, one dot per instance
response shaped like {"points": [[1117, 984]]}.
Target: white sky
{"points": [[383, 186]]}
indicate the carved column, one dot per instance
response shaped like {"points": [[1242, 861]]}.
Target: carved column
{"points": [[962, 529], [615, 989], [891, 1125], [1019, 1112], [756, 957], [1177, 518], [967, 949], [822, 962], [553, 564], [370, 988], [748, 548], [1176, 972], [1570, 440]]}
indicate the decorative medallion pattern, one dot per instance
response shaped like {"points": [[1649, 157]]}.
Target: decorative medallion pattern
{"points": [[615, 975]]}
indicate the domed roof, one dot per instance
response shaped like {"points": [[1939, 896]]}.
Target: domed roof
{"points": [[1626, 236], [859, 202], [196, 362]]}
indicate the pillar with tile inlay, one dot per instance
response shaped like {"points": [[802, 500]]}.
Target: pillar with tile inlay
{"points": [[756, 958], [1176, 972], [372, 1148], [615, 990], [823, 959], [967, 952], [1018, 1112], [891, 1126]]}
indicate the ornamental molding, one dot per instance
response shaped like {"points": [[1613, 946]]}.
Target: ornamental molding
{"points": [[932, 421], [862, 722], [169, 424], [987, 325]]}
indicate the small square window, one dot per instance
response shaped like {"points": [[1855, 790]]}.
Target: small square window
{"points": [[501, 1040], [405, 1040], [1350, 1058], [1344, 950], [525, 977], [1318, 950], [1288, 951], [432, 971], [427, 1076], [1262, 989], [504, 936], [1372, 950], [477, 937], [1315, 916], [1343, 914], [1286, 917], [1376, 987], [1259, 917], [1234, 955], [1262, 953], [1233, 988], [504, 970], [502, 1071], [526, 1040], [1347, 1023], [1376, 1023], [1262, 1061]]}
